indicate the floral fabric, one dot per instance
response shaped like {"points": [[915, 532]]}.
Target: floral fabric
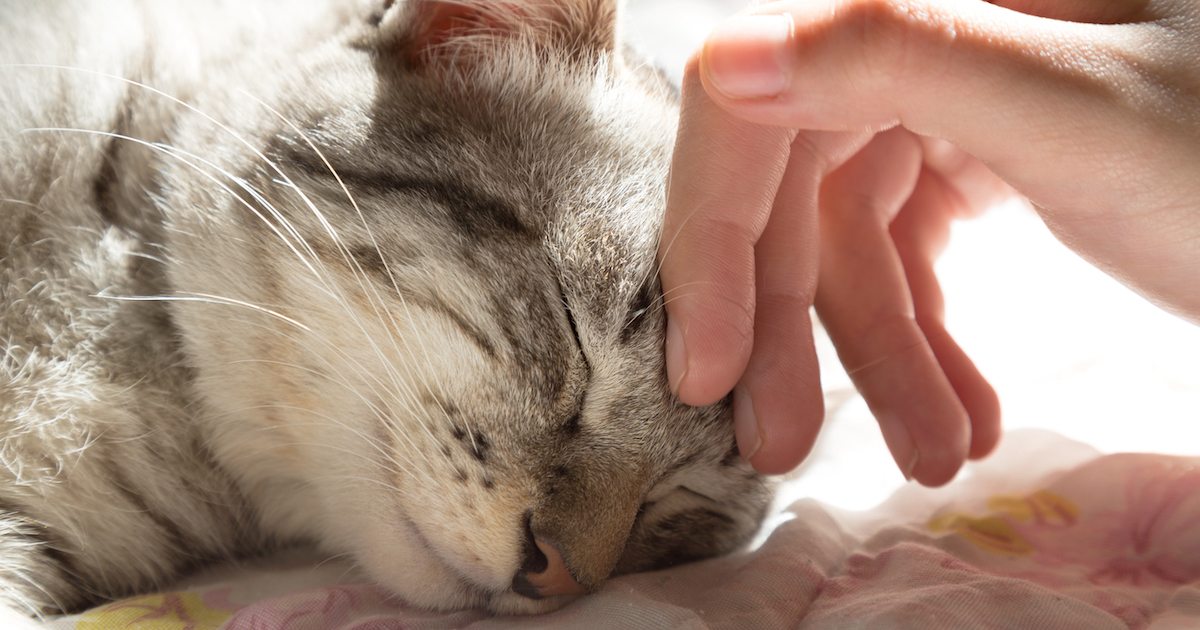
{"points": [[1045, 534]]}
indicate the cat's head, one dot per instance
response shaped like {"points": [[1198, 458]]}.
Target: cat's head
{"points": [[424, 308]]}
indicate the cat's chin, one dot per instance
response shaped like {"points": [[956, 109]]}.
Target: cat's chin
{"points": [[400, 559], [510, 603], [453, 596]]}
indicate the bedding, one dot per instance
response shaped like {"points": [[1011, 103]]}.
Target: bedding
{"points": [[1049, 532]]}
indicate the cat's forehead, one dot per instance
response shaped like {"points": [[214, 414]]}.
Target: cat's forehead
{"points": [[587, 181]]}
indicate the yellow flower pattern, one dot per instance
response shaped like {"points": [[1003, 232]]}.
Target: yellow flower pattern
{"points": [[1043, 507], [169, 611], [995, 533]]}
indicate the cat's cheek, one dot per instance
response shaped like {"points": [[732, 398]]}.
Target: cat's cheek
{"points": [[396, 556]]}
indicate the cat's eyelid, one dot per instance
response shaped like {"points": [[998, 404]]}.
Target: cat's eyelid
{"points": [[657, 496], [699, 494], [571, 320]]}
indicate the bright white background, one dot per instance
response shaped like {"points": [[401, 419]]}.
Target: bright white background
{"points": [[1067, 348]]}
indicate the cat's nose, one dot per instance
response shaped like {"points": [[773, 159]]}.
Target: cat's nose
{"points": [[543, 572]]}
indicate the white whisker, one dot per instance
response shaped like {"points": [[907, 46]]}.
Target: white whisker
{"points": [[374, 296], [203, 297]]}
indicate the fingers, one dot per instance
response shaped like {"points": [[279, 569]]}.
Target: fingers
{"points": [[970, 186], [778, 404], [866, 305], [738, 265], [1094, 123], [955, 69], [920, 232], [821, 65], [724, 176]]}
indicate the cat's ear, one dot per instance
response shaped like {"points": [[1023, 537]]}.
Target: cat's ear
{"points": [[425, 32]]}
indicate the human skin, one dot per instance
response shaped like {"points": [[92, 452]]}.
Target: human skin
{"points": [[824, 147]]}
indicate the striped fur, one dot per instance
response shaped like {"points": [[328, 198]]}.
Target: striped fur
{"points": [[380, 279]]}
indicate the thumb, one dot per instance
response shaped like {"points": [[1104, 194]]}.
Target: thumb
{"points": [[987, 78], [1094, 123]]}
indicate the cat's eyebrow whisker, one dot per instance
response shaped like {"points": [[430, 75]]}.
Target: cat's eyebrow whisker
{"points": [[664, 92], [312, 207], [677, 295], [686, 285], [659, 305], [668, 301], [662, 257], [312, 260]]}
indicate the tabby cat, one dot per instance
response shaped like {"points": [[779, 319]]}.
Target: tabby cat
{"points": [[375, 278]]}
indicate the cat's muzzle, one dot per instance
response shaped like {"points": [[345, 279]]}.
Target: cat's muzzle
{"points": [[543, 571]]}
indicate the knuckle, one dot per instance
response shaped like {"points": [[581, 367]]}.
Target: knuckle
{"points": [[894, 38], [881, 341]]}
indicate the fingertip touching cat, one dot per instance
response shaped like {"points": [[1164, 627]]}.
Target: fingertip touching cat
{"points": [[380, 279]]}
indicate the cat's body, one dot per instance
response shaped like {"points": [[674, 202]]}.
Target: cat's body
{"points": [[410, 313]]}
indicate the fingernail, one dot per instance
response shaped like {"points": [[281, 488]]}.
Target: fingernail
{"points": [[900, 443], [676, 356], [745, 423], [747, 55], [912, 464]]}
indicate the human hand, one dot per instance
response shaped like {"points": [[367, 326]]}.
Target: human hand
{"points": [[1093, 122], [927, 394]]}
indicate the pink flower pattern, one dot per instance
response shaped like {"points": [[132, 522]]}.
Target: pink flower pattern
{"points": [[1113, 542]]}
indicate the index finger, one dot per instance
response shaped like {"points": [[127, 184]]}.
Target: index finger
{"points": [[724, 176]]}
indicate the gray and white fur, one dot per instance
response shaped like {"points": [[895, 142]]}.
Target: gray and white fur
{"points": [[377, 278]]}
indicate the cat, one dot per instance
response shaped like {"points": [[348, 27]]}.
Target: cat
{"points": [[378, 277]]}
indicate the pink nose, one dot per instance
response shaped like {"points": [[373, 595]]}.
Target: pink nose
{"points": [[544, 573]]}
